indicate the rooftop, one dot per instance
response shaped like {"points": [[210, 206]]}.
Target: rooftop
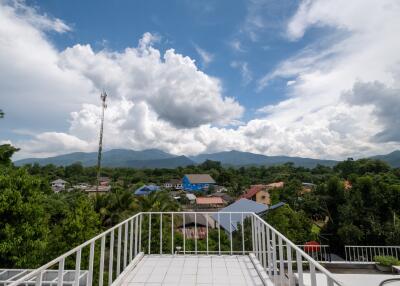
{"points": [[152, 248], [209, 201], [200, 178]]}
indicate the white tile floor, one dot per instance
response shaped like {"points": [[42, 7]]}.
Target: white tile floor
{"points": [[193, 270]]}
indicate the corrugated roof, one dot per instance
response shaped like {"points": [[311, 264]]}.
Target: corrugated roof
{"points": [[209, 200], [190, 197], [200, 178], [146, 189], [242, 205]]}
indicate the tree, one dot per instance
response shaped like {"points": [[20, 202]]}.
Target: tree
{"points": [[6, 152], [294, 225], [24, 228], [1, 113]]}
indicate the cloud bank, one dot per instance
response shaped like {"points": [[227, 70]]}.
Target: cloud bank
{"points": [[342, 99]]}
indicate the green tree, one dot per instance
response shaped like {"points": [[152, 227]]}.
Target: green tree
{"points": [[6, 152]]}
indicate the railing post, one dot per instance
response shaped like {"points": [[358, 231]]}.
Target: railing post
{"points": [[140, 232], [252, 234], [77, 267], [149, 233], [39, 277], [274, 257], [281, 265], [207, 230], [195, 233], [269, 258], [299, 261], [111, 259], [219, 234], [264, 248], [243, 246], [312, 274], [60, 279], [136, 235], [230, 232], [119, 251], [91, 260], [102, 250], [126, 246], [161, 232], [131, 241], [172, 233], [184, 233], [290, 264]]}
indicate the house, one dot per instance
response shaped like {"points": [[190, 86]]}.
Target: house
{"points": [[58, 185], [197, 182], [191, 198], [173, 184], [307, 188], [225, 197], [195, 225], [210, 202], [101, 190], [220, 189], [275, 185], [146, 190], [230, 222], [104, 181], [258, 193]]}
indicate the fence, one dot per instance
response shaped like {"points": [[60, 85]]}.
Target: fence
{"points": [[367, 253], [107, 255]]}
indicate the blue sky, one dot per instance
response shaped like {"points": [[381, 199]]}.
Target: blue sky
{"points": [[302, 78], [184, 25]]}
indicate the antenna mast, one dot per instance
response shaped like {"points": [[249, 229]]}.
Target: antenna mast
{"points": [[103, 97]]}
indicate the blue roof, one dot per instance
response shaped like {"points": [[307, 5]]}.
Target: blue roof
{"points": [[242, 205], [146, 189]]}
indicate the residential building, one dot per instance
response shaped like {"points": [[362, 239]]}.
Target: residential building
{"points": [[104, 181], [197, 182], [225, 197], [258, 193], [175, 184], [220, 189], [146, 190], [307, 188], [195, 225], [209, 202], [275, 185], [101, 190], [243, 206], [58, 185], [191, 198]]}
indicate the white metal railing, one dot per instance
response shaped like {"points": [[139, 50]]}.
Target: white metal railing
{"points": [[320, 253], [107, 255], [366, 253]]}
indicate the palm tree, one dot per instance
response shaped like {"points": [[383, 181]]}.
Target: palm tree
{"points": [[157, 201]]}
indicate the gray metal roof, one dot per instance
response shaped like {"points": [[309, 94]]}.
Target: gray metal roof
{"points": [[242, 205]]}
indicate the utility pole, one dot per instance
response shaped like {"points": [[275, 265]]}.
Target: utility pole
{"points": [[103, 97]]}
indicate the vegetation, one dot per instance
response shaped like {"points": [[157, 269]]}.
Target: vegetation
{"points": [[37, 224], [387, 260]]}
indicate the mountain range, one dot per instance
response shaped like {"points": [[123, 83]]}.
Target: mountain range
{"points": [[154, 158]]}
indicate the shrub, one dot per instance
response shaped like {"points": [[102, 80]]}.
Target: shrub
{"points": [[387, 260]]}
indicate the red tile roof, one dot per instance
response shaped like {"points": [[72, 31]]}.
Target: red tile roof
{"points": [[209, 200], [252, 191]]}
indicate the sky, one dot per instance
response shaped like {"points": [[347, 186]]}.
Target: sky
{"points": [[317, 79]]}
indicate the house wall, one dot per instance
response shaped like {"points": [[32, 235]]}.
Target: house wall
{"points": [[263, 197]]}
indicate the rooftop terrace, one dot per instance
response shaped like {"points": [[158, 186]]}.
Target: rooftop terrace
{"points": [[150, 249]]}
